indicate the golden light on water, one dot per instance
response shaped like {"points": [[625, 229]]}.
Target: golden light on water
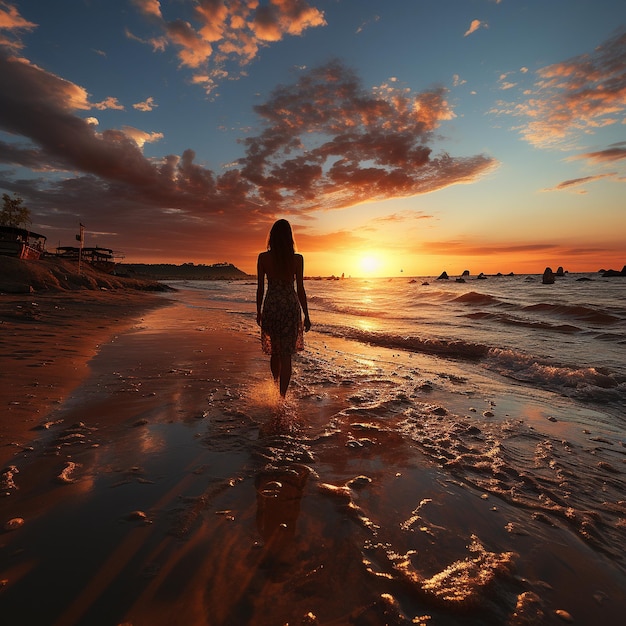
{"points": [[365, 324]]}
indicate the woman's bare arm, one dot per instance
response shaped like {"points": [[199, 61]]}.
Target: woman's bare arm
{"points": [[299, 260], [260, 288]]}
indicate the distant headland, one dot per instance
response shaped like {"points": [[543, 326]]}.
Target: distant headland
{"points": [[185, 271]]}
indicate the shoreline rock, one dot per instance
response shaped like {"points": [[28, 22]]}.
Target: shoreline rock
{"points": [[613, 273]]}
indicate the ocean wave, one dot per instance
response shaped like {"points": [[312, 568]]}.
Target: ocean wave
{"points": [[451, 348], [473, 297], [585, 313], [615, 338], [516, 321], [592, 384], [595, 384]]}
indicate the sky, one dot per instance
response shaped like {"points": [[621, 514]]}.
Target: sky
{"points": [[399, 137]]}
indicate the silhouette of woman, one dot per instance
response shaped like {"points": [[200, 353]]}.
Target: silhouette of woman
{"points": [[279, 314]]}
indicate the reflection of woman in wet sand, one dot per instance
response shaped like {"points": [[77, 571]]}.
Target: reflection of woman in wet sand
{"points": [[279, 492], [279, 315]]}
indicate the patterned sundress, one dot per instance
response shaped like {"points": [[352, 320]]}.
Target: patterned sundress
{"points": [[281, 321]]}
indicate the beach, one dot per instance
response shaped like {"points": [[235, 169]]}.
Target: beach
{"points": [[46, 343], [154, 476]]}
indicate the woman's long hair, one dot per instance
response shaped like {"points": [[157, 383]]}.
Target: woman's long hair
{"points": [[280, 242]]}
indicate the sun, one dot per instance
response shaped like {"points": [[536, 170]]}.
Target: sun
{"points": [[369, 264]]}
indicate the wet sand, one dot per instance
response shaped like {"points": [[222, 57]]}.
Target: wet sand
{"points": [[160, 480], [46, 342]]}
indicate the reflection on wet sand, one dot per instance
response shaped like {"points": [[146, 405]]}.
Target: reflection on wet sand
{"points": [[279, 491]]}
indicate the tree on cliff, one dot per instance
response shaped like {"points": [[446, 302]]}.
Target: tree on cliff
{"points": [[13, 212]]}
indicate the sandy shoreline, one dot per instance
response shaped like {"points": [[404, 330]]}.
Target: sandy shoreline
{"points": [[173, 488], [46, 341]]}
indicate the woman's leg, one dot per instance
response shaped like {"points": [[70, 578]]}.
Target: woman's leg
{"points": [[285, 373], [275, 366]]}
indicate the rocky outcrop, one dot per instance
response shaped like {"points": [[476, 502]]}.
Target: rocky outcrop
{"points": [[612, 273], [548, 276]]}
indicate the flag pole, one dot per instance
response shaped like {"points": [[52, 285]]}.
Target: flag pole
{"points": [[81, 239]]}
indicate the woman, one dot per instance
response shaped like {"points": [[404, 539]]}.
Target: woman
{"points": [[279, 314]]}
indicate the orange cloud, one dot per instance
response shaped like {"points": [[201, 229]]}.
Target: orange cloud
{"points": [[236, 29], [147, 105], [581, 94], [194, 50], [474, 26], [109, 103], [10, 19], [141, 137], [281, 17], [505, 83], [214, 17], [149, 7]]}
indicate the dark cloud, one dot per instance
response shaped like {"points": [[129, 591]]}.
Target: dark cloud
{"points": [[577, 182], [28, 157], [611, 154], [40, 107], [326, 143]]}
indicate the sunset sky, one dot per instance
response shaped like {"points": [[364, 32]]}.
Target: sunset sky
{"points": [[399, 137]]}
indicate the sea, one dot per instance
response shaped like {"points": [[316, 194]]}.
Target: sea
{"points": [[568, 337], [473, 431]]}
